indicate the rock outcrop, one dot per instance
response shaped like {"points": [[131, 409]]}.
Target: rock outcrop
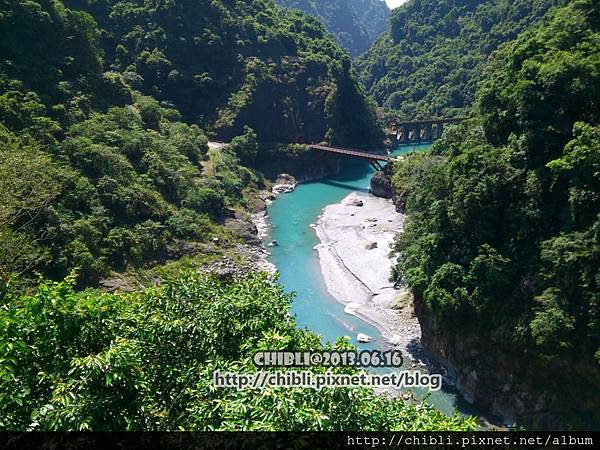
{"points": [[381, 185], [284, 184], [399, 200], [241, 224], [361, 337], [495, 380]]}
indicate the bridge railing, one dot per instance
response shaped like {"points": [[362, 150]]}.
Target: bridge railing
{"points": [[350, 152]]}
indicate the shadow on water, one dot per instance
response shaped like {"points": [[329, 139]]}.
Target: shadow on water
{"points": [[352, 170], [348, 187]]}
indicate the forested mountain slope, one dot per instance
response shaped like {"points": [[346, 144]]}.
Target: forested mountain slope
{"points": [[223, 64], [430, 61], [104, 155], [355, 23], [374, 15], [502, 243]]}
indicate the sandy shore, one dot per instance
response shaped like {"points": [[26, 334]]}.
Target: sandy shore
{"points": [[354, 255]]}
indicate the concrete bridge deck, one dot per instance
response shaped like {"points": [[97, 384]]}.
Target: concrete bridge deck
{"points": [[427, 130]]}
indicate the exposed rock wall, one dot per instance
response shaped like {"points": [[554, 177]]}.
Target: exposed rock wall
{"points": [[500, 381]]}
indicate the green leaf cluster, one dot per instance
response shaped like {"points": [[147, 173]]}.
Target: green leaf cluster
{"points": [[145, 361]]}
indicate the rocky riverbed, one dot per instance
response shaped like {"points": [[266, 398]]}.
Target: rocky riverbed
{"points": [[354, 256]]}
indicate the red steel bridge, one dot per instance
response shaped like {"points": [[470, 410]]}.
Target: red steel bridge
{"points": [[375, 159]]}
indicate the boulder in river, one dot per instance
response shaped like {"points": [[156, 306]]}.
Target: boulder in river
{"points": [[285, 178], [283, 188], [371, 245], [363, 338], [381, 185], [284, 184]]}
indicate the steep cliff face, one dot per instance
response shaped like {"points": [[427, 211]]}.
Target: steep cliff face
{"points": [[430, 61], [293, 93], [224, 65], [302, 101], [374, 15], [511, 388], [355, 23]]}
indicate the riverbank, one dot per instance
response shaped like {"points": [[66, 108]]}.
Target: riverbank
{"points": [[355, 237], [284, 184]]}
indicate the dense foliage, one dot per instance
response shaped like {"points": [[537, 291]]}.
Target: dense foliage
{"points": [[110, 195], [355, 23], [145, 361], [223, 64], [104, 164], [374, 15], [502, 246], [430, 61]]}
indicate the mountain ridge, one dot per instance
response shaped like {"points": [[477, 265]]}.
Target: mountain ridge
{"points": [[429, 62], [356, 24]]}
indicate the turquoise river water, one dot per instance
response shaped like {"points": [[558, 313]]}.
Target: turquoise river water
{"points": [[314, 307]]}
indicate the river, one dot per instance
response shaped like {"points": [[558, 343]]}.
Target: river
{"points": [[290, 217]]}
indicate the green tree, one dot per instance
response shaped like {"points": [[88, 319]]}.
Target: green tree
{"points": [[433, 56]]}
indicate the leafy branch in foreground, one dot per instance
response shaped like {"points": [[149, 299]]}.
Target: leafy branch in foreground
{"points": [[144, 361]]}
